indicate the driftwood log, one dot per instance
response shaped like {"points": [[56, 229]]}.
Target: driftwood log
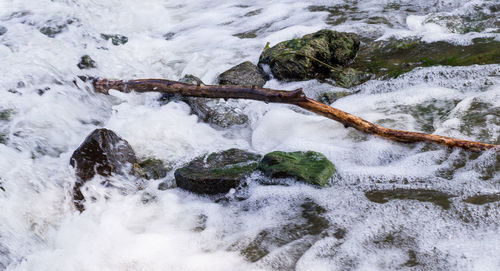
{"points": [[295, 97]]}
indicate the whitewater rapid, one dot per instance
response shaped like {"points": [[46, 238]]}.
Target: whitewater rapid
{"points": [[52, 111]]}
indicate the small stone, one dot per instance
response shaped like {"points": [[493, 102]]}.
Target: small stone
{"points": [[424, 195], [216, 173], [52, 28], [103, 153], [152, 168], [116, 39], [3, 30], [244, 74], [86, 62], [311, 167], [330, 97]]}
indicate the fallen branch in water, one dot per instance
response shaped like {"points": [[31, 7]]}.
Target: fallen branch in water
{"points": [[295, 97]]}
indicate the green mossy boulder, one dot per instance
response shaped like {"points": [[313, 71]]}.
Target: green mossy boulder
{"points": [[425, 195], [86, 62], [390, 58], [305, 58], [216, 173], [244, 74], [311, 167], [116, 39]]}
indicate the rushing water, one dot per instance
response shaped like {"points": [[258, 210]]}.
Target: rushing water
{"points": [[260, 227]]}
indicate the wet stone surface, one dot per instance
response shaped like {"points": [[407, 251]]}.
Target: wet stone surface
{"points": [[217, 172], [243, 74], [423, 195], [103, 153]]}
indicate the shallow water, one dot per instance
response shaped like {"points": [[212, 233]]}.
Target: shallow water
{"points": [[258, 227]]}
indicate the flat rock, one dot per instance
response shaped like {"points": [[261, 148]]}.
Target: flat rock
{"points": [[424, 195], [483, 199], [216, 173], [104, 153], [311, 167], [243, 74]]}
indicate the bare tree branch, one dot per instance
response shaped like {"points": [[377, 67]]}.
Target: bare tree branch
{"points": [[295, 97]]}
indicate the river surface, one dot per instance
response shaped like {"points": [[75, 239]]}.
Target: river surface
{"points": [[291, 226]]}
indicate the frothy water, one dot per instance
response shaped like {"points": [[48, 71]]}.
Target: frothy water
{"points": [[258, 227]]}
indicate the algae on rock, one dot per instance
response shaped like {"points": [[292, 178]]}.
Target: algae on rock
{"points": [[305, 58], [311, 167]]}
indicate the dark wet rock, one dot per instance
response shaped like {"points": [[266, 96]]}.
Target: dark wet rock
{"points": [[311, 167], [244, 74], [103, 153], [305, 58], [216, 173], [153, 168], [330, 97], [86, 62], [52, 28], [424, 195], [5, 117], [116, 39], [3, 30], [393, 57], [169, 36], [483, 199]]}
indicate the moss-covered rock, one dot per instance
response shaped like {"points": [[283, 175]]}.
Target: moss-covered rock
{"points": [[425, 195], [116, 39], [86, 62], [244, 74], [305, 58], [393, 57], [483, 199], [216, 173], [311, 167], [153, 168]]}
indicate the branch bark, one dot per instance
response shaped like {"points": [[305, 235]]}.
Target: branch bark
{"points": [[295, 97]]}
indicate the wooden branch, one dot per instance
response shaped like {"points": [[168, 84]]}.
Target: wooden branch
{"points": [[295, 97]]}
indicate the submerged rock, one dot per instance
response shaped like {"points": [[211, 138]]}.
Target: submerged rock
{"points": [[116, 39], [3, 30], [152, 168], [216, 173], [217, 112], [86, 62], [330, 97], [311, 167], [5, 117], [483, 199], [424, 195], [52, 28], [390, 58], [244, 74], [305, 58], [103, 153]]}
